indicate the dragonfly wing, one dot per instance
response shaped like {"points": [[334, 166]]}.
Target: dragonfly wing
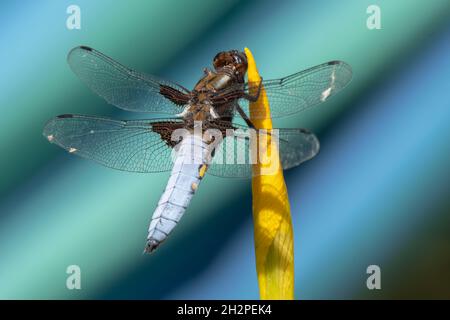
{"points": [[297, 146], [123, 87], [135, 145], [301, 90], [232, 157]]}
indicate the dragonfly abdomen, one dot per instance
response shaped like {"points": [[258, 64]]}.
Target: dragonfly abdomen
{"points": [[187, 172]]}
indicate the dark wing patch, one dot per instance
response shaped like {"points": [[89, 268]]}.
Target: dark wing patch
{"points": [[177, 97], [165, 130]]}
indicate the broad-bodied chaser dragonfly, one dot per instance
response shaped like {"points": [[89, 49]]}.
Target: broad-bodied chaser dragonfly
{"points": [[147, 145]]}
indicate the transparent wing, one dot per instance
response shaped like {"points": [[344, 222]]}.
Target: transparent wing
{"points": [[232, 156], [137, 145], [301, 90], [124, 87]]}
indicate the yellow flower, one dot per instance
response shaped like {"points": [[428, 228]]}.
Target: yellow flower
{"points": [[274, 240]]}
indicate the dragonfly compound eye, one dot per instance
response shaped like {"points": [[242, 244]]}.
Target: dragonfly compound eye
{"points": [[232, 58]]}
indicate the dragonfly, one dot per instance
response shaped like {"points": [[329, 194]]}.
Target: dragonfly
{"points": [[219, 98]]}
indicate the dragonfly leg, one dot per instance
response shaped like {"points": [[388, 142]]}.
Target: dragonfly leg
{"points": [[245, 117], [207, 71], [255, 97]]}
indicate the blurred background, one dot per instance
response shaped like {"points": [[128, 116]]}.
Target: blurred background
{"points": [[377, 193]]}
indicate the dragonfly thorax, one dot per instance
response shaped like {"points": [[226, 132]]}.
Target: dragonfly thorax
{"points": [[214, 81]]}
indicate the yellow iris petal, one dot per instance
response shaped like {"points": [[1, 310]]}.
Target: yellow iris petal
{"points": [[274, 240]]}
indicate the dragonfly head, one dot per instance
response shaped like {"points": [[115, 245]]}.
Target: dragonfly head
{"points": [[233, 59]]}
